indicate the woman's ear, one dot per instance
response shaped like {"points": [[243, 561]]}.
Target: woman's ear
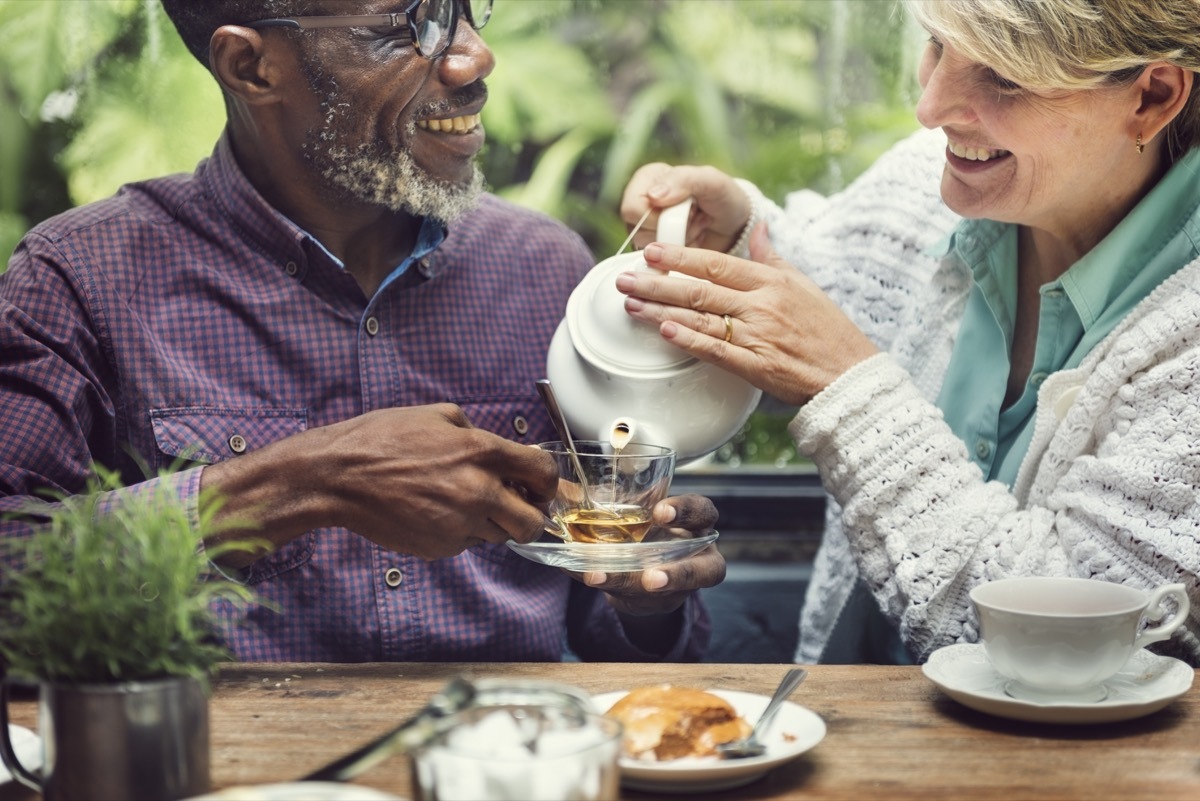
{"points": [[244, 65], [1163, 91]]}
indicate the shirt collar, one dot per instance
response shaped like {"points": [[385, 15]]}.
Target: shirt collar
{"points": [[1166, 219], [261, 222], [1131, 251]]}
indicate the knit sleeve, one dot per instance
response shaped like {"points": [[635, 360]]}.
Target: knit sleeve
{"points": [[1115, 498], [865, 246]]}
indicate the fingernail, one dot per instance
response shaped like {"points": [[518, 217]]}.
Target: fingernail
{"points": [[654, 580], [658, 191], [634, 305], [668, 330], [668, 513], [594, 579], [653, 252], [626, 282]]}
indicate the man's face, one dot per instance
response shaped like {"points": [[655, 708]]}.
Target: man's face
{"points": [[396, 129]]}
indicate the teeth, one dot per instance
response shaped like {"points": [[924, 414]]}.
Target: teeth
{"points": [[455, 125], [975, 153]]}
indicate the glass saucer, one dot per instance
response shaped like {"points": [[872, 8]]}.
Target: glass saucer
{"points": [[610, 557]]}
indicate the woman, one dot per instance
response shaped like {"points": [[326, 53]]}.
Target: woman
{"points": [[1019, 397]]}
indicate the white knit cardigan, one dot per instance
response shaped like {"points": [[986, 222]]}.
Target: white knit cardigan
{"points": [[1108, 489]]}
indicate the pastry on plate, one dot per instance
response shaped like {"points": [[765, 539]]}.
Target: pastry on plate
{"points": [[663, 722]]}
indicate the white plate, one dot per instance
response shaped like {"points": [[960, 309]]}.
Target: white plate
{"points": [[1147, 684], [610, 557], [298, 791], [29, 751], [795, 730]]}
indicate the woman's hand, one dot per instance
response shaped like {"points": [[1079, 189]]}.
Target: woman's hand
{"points": [[720, 209], [784, 335]]}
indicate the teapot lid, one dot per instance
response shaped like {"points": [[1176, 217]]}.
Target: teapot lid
{"points": [[604, 334]]}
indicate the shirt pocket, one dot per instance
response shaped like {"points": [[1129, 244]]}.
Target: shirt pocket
{"points": [[207, 435]]}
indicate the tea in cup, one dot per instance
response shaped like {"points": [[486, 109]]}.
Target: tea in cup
{"points": [[1060, 639], [618, 491]]}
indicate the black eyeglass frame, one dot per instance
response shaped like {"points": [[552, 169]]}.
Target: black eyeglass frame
{"points": [[408, 15]]}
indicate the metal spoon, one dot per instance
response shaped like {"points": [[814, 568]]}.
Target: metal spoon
{"points": [[750, 746], [413, 733], [564, 433]]}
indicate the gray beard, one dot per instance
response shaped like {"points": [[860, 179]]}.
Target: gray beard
{"points": [[363, 174], [396, 182]]}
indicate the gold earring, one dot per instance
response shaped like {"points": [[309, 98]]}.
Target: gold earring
{"points": [[1138, 144]]}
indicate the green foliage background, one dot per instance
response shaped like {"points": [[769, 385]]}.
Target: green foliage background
{"points": [[786, 93]]}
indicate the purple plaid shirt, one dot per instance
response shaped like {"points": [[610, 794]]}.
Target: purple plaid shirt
{"points": [[187, 318]]}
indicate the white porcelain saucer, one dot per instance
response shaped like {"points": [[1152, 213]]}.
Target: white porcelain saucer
{"points": [[1147, 684], [796, 730]]}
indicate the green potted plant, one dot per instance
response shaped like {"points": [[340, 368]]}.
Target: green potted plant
{"points": [[105, 606]]}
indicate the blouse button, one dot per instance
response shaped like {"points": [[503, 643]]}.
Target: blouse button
{"points": [[393, 577], [1037, 378], [237, 443], [372, 326], [290, 268], [520, 425], [983, 449]]}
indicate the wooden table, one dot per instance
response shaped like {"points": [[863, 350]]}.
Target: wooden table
{"points": [[891, 734]]}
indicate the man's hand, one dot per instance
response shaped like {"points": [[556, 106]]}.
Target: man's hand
{"points": [[663, 589], [419, 480]]}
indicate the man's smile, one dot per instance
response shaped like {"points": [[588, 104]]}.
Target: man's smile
{"points": [[455, 125]]}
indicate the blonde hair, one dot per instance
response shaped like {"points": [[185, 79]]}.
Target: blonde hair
{"points": [[1076, 44]]}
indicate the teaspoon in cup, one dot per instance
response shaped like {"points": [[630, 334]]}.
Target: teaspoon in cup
{"points": [[750, 746], [564, 433]]}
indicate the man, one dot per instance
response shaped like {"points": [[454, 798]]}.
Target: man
{"points": [[334, 322]]}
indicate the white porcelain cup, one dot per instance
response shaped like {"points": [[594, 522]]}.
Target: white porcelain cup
{"points": [[1062, 638]]}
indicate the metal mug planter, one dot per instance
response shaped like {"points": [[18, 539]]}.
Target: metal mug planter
{"points": [[133, 740]]}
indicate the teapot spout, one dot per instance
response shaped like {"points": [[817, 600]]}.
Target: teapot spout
{"points": [[621, 432], [625, 430]]}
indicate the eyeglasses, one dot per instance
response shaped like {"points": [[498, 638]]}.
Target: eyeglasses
{"points": [[428, 25]]}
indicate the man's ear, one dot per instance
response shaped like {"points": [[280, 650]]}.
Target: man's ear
{"points": [[1164, 90], [244, 65]]}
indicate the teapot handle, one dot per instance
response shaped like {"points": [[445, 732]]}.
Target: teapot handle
{"points": [[672, 227]]}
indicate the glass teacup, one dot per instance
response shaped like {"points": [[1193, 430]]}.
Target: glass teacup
{"points": [[612, 501]]}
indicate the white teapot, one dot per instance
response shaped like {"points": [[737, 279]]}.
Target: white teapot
{"points": [[617, 379]]}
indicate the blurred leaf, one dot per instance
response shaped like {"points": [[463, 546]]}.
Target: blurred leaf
{"points": [[157, 116], [547, 187], [542, 87], [12, 228], [43, 42], [629, 148]]}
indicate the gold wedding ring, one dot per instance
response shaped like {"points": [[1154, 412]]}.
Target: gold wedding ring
{"points": [[728, 327]]}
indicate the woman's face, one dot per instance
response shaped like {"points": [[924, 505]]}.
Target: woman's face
{"points": [[1053, 160]]}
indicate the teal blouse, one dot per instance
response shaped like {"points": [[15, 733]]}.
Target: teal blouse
{"points": [[1077, 311]]}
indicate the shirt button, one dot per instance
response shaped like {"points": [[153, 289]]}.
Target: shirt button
{"points": [[237, 443], [372, 326], [290, 268], [423, 266], [393, 577], [1053, 293], [1037, 378], [983, 449], [520, 425]]}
